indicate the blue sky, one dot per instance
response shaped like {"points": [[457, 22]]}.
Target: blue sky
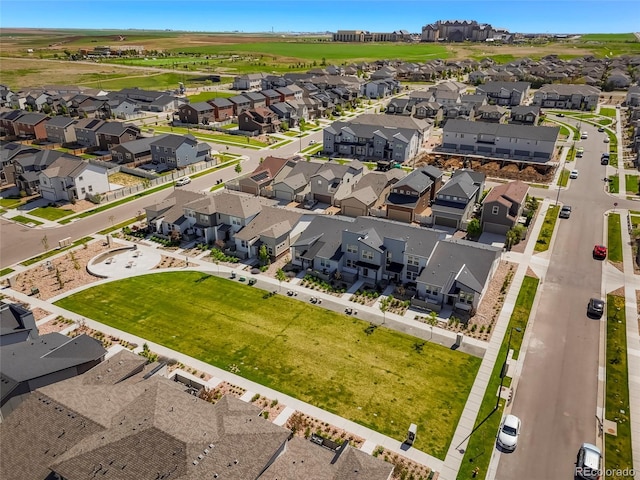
{"points": [[527, 16]]}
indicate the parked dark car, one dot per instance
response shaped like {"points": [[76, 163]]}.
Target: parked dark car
{"points": [[595, 308], [565, 211]]}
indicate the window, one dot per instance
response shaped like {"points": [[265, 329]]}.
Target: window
{"points": [[324, 263], [367, 255], [80, 179], [466, 298], [83, 191], [350, 263], [495, 210], [411, 260], [91, 188], [412, 276], [352, 248], [235, 221]]}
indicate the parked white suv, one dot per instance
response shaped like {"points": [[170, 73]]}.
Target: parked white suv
{"points": [[183, 181]]}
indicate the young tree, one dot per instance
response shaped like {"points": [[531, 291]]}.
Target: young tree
{"points": [[281, 276], [473, 228], [432, 320], [263, 255], [238, 168]]}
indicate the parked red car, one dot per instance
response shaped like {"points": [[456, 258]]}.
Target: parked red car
{"points": [[600, 252]]}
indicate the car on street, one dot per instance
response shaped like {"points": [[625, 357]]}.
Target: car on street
{"points": [[573, 174], [560, 115], [508, 433], [584, 135], [601, 129], [604, 159], [600, 252], [565, 211], [595, 308], [580, 152], [183, 181], [589, 462], [312, 142], [606, 139]]}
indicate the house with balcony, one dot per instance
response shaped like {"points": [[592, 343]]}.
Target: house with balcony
{"points": [[115, 133], [505, 93], [199, 113], [413, 194], [70, 179], [519, 142], [60, 130], [569, 96], [455, 200], [369, 193], [381, 137], [178, 151], [503, 207], [260, 120]]}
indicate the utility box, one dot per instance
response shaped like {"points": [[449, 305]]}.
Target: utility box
{"points": [[411, 434]]}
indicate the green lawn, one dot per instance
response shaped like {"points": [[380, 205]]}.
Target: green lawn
{"points": [[609, 37], [614, 183], [635, 221], [613, 160], [204, 96], [631, 183], [563, 178], [6, 271], [482, 441], [544, 239], [618, 454], [238, 140], [11, 202], [50, 213], [383, 380], [25, 220], [564, 131], [608, 112], [614, 238]]}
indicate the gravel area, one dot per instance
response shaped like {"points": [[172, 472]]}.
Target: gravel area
{"points": [[303, 425]]}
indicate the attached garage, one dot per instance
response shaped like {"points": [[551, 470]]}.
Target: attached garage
{"points": [[323, 198], [495, 228], [353, 211], [399, 215], [445, 221]]}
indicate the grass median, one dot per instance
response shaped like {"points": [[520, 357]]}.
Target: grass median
{"points": [[377, 377], [617, 448], [482, 441], [26, 221], [614, 238], [546, 232]]}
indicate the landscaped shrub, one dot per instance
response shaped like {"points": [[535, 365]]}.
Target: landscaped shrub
{"points": [[220, 256]]}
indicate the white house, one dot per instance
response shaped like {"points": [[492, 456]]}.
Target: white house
{"points": [[72, 179]]}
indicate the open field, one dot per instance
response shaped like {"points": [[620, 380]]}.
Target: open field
{"points": [[190, 57], [374, 376]]}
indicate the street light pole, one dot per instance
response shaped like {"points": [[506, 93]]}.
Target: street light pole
{"points": [[503, 371]]}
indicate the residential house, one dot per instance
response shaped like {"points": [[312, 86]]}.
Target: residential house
{"points": [[149, 100], [496, 140], [35, 363], [9, 151], [178, 151], [381, 88], [632, 99], [17, 324], [31, 126], [398, 106], [492, 114], [199, 113], [222, 109], [505, 93], [413, 194], [7, 122], [262, 178], [69, 179], [260, 120], [333, 181], [295, 185], [168, 215], [94, 420], [86, 106], [218, 217], [272, 228], [28, 167], [288, 93], [250, 81], [286, 113], [382, 137], [240, 104], [618, 79], [570, 96], [115, 133], [525, 115], [86, 132], [125, 109], [61, 130], [455, 200], [271, 97], [370, 192], [502, 207], [135, 152], [456, 275], [256, 99]]}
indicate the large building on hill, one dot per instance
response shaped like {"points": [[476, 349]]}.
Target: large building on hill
{"points": [[460, 31]]}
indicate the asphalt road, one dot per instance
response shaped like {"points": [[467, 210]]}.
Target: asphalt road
{"points": [[18, 242], [556, 395]]}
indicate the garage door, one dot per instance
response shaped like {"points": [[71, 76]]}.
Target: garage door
{"points": [[446, 222], [284, 195], [495, 228], [352, 211], [400, 215], [323, 198]]}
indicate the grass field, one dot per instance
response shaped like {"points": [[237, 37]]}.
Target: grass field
{"points": [[482, 441], [223, 138], [614, 238], [631, 183], [617, 448], [381, 379], [50, 213], [608, 112], [544, 239], [25, 220], [204, 96]]}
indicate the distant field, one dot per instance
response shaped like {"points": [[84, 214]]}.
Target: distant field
{"points": [[609, 37]]}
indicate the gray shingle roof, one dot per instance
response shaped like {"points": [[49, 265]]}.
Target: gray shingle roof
{"points": [[174, 141], [547, 134], [60, 121]]}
